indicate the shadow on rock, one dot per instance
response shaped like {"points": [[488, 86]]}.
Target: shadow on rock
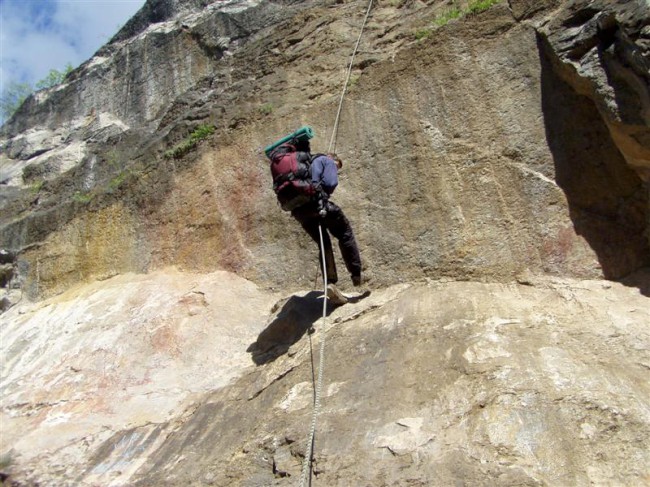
{"points": [[639, 279], [608, 201], [294, 318]]}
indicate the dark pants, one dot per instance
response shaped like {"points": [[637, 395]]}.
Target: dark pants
{"points": [[338, 225]]}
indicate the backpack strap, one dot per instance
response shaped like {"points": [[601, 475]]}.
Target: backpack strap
{"points": [[314, 156], [280, 151]]}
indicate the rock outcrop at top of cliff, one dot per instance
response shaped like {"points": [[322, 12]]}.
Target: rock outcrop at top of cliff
{"points": [[602, 50]]}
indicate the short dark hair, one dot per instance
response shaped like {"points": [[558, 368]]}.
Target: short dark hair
{"points": [[337, 159]]}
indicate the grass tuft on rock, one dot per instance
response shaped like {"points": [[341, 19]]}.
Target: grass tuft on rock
{"points": [[200, 133]]}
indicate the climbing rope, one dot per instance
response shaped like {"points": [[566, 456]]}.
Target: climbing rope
{"points": [[306, 465], [332, 146]]}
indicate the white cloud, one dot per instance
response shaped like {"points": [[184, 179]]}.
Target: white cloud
{"points": [[39, 35]]}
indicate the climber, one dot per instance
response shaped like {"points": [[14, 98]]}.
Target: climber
{"points": [[320, 210], [303, 184]]}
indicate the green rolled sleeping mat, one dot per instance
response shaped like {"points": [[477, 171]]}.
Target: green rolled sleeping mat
{"points": [[303, 133]]}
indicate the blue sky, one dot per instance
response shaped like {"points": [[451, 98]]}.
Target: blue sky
{"points": [[39, 35]]}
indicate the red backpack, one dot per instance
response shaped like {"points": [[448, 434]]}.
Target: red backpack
{"points": [[291, 172]]}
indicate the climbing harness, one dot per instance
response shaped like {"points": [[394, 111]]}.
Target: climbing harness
{"points": [[306, 465]]}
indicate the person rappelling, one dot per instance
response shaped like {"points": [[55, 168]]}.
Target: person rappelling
{"points": [[303, 184]]}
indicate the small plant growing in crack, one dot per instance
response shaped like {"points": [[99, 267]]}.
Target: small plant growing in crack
{"points": [[266, 109], [202, 132], [455, 12]]}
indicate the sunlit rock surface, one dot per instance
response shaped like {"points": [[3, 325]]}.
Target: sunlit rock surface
{"points": [[480, 149], [177, 378]]}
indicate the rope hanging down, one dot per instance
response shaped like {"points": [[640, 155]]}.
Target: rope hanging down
{"points": [[306, 466], [332, 146]]}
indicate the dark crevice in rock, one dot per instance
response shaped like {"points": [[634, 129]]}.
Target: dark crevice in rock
{"points": [[580, 17], [6, 256], [10, 280], [276, 379], [6, 274], [213, 48], [607, 29]]}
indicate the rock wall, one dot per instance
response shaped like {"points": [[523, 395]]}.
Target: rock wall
{"points": [[440, 384], [601, 49], [470, 153]]}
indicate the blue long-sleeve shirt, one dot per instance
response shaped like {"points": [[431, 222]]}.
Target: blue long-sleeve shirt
{"points": [[325, 173]]}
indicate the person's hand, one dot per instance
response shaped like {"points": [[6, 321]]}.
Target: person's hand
{"points": [[322, 207], [323, 197]]}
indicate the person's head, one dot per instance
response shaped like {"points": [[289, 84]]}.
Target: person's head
{"points": [[336, 159]]}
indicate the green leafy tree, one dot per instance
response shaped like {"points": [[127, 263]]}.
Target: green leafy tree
{"points": [[15, 94], [54, 77], [12, 97]]}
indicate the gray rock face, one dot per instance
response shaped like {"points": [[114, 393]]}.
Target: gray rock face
{"points": [[168, 49], [470, 153], [602, 49]]}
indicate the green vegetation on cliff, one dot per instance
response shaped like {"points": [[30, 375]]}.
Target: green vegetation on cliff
{"points": [[16, 93], [455, 12], [200, 133]]}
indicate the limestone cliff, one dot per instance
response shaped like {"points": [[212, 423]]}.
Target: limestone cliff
{"points": [[496, 175], [508, 141]]}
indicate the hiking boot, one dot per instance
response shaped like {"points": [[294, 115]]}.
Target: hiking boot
{"points": [[360, 280], [335, 296]]}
